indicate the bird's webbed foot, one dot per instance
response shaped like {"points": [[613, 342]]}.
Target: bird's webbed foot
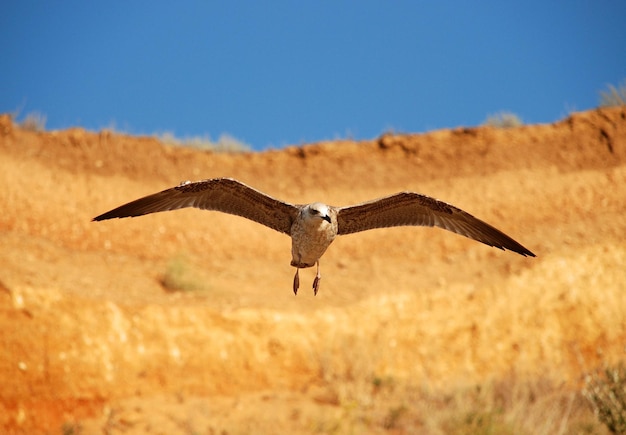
{"points": [[296, 282], [316, 281]]}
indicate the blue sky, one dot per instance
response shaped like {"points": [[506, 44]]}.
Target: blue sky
{"points": [[290, 72]]}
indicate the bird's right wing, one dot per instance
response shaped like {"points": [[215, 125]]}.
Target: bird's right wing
{"points": [[220, 194], [410, 208]]}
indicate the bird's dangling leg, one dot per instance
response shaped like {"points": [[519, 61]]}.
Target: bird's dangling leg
{"points": [[316, 281], [296, 282]]}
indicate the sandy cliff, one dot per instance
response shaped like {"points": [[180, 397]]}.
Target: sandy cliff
{"points": [[90, 334]]}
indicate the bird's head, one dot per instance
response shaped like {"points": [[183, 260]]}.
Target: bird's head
{"points": [[317, 210]]}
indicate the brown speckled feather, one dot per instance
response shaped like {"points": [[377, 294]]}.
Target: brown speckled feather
{"points": [[220, 194], [409, 208]]}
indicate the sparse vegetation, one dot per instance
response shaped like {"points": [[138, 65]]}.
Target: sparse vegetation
{"points": [[71, 429], [614, 96], [481, 423], [225, 143], [503, 120], [392, 419], [34, 121], [606, 391], [180, 275], [507, 406]]}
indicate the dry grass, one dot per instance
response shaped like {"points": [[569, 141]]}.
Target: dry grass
{"points": [[506, 406], [34, 121], [226, 143], [614, 96], [374, 405], [606, 391], [503, 120]]}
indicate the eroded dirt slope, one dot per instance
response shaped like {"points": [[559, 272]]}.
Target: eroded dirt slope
{"points": [[87, 327]]}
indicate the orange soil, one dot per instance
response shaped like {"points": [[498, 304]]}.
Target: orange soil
{"points": [[89, 333]]}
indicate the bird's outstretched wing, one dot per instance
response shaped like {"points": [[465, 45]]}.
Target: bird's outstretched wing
{"points": [[220, 194], [409, 208]]}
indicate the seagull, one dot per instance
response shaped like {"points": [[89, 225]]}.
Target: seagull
{"points": [[313, 227]]}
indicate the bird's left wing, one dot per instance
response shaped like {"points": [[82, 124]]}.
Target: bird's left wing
{"points": [[220, 194], [410, 208]]}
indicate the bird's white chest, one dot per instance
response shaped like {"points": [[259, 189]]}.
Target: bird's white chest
{"points": [[309, 240]]}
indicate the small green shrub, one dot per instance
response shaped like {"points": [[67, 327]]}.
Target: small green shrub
{"points": [[71, 429], [606, 391], [180, 275]]}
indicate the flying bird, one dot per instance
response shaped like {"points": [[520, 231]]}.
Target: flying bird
{"points": [[313, 227]]}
